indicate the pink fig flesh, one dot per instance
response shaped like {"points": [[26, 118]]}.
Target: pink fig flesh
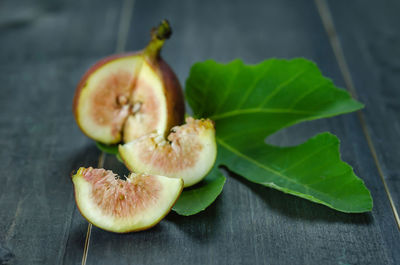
{"points": [[125, 96], [189, 152], [121, 206]]}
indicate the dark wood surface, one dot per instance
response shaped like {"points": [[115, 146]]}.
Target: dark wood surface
{"points": [[45, 46], [370, 37]]}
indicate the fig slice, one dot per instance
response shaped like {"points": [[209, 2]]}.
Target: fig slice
{"points": [[125, 96], [188, 153], [122, 206]]}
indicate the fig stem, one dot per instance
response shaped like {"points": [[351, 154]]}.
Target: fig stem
{"points": [[158, 36], [163, 31]]}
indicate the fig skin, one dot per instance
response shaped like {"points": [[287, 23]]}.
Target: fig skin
{"points": [[77, 180], [173, 94], [171, 89]]}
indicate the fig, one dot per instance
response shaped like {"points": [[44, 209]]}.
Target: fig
{"points": [[189, 152], [125, 96], [122, 206]]}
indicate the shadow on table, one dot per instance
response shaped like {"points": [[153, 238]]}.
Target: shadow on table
{"points": [[207, 225], [299, 208], [195, 226], [87, 156], [200, 226]]}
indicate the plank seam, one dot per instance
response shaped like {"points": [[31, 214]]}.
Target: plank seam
{"points": [[124, 24], [123, 30], [329, 27], [100, 164]]}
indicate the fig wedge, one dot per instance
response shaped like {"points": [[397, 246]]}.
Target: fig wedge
{"points": [[122, 206], [188, 153], [125, 96]]}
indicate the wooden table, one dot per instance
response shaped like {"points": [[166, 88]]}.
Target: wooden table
{"points": [[47, 45]]}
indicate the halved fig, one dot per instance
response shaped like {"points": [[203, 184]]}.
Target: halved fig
{"points": [[188, 153], [122, 206], [125, 96]]}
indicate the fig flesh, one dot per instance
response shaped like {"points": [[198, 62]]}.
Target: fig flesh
{"points": [[125, 96], [189, 152], [122, 206]]}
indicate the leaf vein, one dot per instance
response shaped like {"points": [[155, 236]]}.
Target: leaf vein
{"points": [[282, 85], [306, 93], [267, 168], [258, 110], [227, 91], [254, 85], [208, 82], [307, 157]]}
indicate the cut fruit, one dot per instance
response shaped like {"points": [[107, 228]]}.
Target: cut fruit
{"points": [[189, 153], [122, 206], [125, 96]]}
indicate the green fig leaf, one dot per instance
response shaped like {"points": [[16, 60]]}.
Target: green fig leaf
{"points": [[198, 198], [250, 102], [109, 149], [119, 158]]}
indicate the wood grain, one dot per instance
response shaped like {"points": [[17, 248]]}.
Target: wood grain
{"points": [[45, 48], [250, 224], [370, 38]]}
